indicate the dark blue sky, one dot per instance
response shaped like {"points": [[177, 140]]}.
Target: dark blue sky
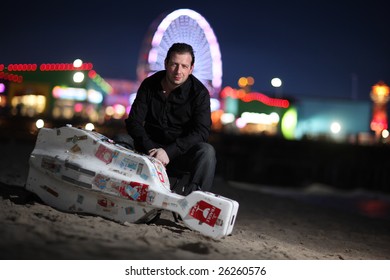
{"points": [[318, 48]]}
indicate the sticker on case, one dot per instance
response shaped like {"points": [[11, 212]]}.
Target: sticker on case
{"points": [[129, 211], [104, 154], [128, 164], [101, 181], [51, 165], [205, 213], [75, 149], [106, 205], [50, 190], [151, 196], [139, 168], [134, 190], [76, 138]]}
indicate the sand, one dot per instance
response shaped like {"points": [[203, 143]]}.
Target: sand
{"points": [[313, 222]]}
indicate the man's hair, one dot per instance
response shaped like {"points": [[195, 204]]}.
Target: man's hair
{"points": [[180, 48]]}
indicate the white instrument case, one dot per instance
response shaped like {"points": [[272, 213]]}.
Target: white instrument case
{"points": [[76, 170]]}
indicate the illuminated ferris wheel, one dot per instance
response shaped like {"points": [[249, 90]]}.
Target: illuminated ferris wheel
{"points": [[184, 26]]}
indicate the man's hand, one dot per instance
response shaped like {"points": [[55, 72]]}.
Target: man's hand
{"points": [[160, 154]]}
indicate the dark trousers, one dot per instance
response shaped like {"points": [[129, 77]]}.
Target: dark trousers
{"points": [[199, 162]]}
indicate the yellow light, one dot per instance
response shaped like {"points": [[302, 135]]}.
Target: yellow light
{"points": [[380, 92], [110, 111], [242, 82], [381, 89]]}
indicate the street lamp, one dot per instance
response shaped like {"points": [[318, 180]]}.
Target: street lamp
{"points": [[78, 77], [277, 84], [77, 63]]}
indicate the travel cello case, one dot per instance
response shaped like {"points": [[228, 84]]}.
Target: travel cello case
{"points": [[81, 171]]}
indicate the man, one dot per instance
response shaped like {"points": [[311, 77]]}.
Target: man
{"points": [[170, 120]]}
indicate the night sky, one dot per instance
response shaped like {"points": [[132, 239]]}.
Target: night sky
{"points": [[335, 49]]}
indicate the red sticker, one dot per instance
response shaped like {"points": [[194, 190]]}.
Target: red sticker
{"points": [[104, 154], [134, 190], [205, 212], [159, 170], [106, 203]]}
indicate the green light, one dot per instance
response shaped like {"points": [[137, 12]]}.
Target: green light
{"points": [[289, 123]]}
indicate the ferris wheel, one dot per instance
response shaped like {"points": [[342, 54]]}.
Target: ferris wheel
{"points": [[184, 26]]}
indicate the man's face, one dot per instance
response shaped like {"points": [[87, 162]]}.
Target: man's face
{"points": [[179, 68]]}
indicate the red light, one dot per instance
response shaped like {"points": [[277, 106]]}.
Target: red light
{"points": [[78, 107], [19, 67], [87, 66], [254, 96], [44, 67], [374, 208], [11, 77], [92, 74]]}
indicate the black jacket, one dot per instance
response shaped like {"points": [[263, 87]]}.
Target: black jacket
{"points": [[175, 123]]}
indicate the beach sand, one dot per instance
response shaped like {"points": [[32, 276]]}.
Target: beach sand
{"points": [[313, 222]]}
